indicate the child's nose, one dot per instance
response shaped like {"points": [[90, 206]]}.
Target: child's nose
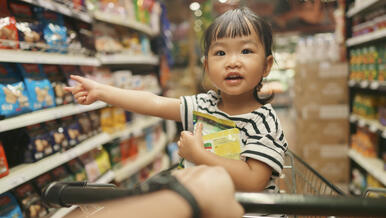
{"points": [[233, 61]]}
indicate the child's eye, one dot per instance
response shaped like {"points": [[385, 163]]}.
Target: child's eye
{"points": [[220, 53], [246, 51]]}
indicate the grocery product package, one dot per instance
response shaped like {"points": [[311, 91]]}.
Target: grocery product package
{"points": [[220, 136], [40, 90], [8, 31], [29, 29], [14, 98]]}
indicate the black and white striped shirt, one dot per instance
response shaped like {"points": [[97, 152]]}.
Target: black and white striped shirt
{"points": [[260, 131]]}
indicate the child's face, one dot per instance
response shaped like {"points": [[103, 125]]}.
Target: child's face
{"points": [[236, 65]]}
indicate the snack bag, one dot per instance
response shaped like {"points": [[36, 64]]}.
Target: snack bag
{"points": [[86, 37], [225, 143], [30, 201], [95, 121], [8, 31], [58, 139], [77, 170], [220, 136], [85, 126], [39, 88], [39, 143], [3, 162], [102, 160], [55, 33], [58, 82], [30, 31], [14, 97], [91, 166], [71, 130], [9, 206]]}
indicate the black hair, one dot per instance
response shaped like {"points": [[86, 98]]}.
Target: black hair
{"points": [[234, 23]]}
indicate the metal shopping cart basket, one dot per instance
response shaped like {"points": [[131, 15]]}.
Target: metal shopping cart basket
{"points": [[307, 193], [304, 192]]}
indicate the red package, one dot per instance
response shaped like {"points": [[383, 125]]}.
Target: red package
{"points": [[4, 170], [8, 31]]}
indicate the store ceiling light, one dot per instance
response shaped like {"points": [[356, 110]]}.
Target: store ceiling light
{"points": [[222, 1], [194, 6]]}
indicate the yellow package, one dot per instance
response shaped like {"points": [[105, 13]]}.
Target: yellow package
{"points": [[225, 143], [220, 136], [107, 120], [119, 118]]}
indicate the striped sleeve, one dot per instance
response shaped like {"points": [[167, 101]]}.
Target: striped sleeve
{"points": [[187, 106], [269, 150]]}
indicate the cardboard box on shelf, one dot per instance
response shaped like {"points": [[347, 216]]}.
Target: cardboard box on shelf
{"points": [[335, 171], [321, 70], [322, 131], [322, 92], [330, 160], [315, 111]]}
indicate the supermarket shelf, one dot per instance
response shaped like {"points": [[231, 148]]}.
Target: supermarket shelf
{"points": [[136, 127], [366, 37], [62, 212], [363, 6], [35, 57], [25, 172], [366, 84], [373, 125], [374, 166], [141, 161], [123, 21], [123, 58], [62, 9], [46, 115]]}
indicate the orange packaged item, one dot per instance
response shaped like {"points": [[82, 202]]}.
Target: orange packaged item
{"points": [[4, 170]]}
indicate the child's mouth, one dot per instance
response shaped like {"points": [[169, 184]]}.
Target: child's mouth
{"points": [[234, 77]]}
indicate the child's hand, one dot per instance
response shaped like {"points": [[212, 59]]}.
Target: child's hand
{"points": [[191, 145], [85, 91]]}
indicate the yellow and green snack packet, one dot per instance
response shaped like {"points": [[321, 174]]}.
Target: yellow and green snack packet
{"points": [[220, 137]]}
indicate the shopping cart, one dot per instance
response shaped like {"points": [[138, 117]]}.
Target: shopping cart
{"points": [[306, 193]]}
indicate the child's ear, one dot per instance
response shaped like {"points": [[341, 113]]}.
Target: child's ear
{"points": [[268, 65], [205, 62]]}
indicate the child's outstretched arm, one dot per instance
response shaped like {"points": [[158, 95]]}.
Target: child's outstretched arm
{"points": [[250, 176], [88, 91]]}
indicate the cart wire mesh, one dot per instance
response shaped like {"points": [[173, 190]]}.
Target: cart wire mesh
{"points": [[306, 193], [300, 178]]}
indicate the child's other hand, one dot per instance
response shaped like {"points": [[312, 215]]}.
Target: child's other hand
{"points": [[85, 91], [191, 145]]}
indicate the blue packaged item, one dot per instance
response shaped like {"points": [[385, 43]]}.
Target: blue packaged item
{"points": [[9, 208], [55, 33], [41, 93], [14, 97], [71, 130], [39, 145]]}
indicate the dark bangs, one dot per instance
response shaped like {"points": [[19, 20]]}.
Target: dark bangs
{"points": [[234, 23]]}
